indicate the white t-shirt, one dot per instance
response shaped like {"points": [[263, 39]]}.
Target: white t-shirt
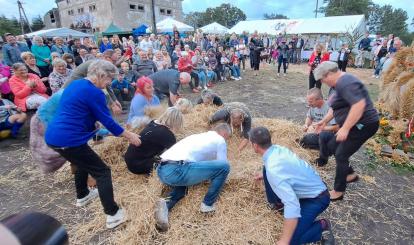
{"points": [[317, 114], [198, 147], [145, 45]]}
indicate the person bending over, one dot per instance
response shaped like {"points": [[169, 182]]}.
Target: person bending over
{"points": [[208, 97], [156, 137], [192, 160], [238, 116], [167, 82], [298, 186]]}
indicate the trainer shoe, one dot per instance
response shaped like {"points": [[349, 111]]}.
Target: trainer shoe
{"points": [[320, 162], [113, 221], [93, 193], [207, 209], [161, 215], [278, 74], [329, 239]]}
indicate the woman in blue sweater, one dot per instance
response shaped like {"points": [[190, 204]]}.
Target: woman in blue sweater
{"points": [[81, 106]]}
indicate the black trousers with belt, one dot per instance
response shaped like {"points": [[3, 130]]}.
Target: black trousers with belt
{"points": [[344, 150], [88, 162]]}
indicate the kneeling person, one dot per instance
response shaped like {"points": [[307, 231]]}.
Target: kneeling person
{"points": [[11, 117], [192, 160], [300, 188], [317, 111]]}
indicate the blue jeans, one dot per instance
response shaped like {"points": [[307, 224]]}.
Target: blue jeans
{"points": [[272, 198], [378, 66], [180, 176], [235, 71], [309, 230], [202, 78], [211, 76]]}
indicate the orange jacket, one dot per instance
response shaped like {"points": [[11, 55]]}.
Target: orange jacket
{"points": [[21, 91]]}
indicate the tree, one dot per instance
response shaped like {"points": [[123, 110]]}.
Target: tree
{"points": [[346, 7], [9, 25], [225, 14], [195, 19], [37, 23], [274, 16]]}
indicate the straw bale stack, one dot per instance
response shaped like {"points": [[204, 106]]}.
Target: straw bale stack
{"points": [[242, 216]]}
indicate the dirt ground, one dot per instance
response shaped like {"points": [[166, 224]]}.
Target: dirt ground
{"points": [[379, 209]]}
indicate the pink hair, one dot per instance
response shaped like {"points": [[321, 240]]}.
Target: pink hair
{"points": [[141, 85]]}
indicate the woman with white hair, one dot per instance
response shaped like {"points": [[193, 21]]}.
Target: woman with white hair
{"points": [[59, 46], [42, 54], [156, 137], [81, 106], [59, 75]]}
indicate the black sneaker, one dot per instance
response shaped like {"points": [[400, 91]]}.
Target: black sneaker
{"points": [[320, 162], [278, 207], [329, 239]]}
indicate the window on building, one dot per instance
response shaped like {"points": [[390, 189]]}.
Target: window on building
{"points": [[52, 17], [162, 11], [70, 12], [80, 10], [169, 11], [141, 8], [92, 8], [133, 7]]}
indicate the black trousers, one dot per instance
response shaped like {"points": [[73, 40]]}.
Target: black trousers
{"points": [[140, 166], [251, 59], [310, 141], [256, 60], [313, 82], [281, 60], [88, 162], [342, 65], [194, 76], [218, 71], [344, 150]]}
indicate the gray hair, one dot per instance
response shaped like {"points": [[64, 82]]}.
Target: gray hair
{"points": [[59, 61], [223, 127], [18, 65], [102, 68], [184, 105], [315, 92], [57, 38], [324, 68], [37, 38], [55, 54], [172, 118], [26, 55]]}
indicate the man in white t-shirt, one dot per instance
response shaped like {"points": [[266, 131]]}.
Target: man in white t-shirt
{"points": [[145, 44], [317, 111], [190, 161]]}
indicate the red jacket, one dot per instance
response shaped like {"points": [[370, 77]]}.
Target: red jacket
{"points": [[185, 65], [21, 91], [325, 57]]}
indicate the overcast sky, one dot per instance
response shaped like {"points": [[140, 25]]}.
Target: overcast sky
{"points": [[252, 8]]}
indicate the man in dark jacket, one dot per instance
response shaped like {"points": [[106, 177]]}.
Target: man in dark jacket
{"points": [[343, 57]]}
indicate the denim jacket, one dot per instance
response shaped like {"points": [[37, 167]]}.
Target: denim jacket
{"points": [[11, 54]]}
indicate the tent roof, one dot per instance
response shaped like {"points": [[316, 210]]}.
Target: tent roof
{"points": [[59, 32], [168, 24], [324, 25], [214, 28], [114, 29]]}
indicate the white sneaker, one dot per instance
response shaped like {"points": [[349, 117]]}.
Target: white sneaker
{"points": [[113, 221], [284, 74], [205, 88], [161, 215], [240, 78], [376, 77], [93, 193], [206, 209], [233, 78], [278, 74], [373, 76]]}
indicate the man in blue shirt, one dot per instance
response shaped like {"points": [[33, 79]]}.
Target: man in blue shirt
{"points": [[13, 49], [299, 187]]}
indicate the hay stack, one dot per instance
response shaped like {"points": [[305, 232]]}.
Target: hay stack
{"points": [[241, 217], [397, 91]]}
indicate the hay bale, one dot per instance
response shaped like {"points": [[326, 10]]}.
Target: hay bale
{"points": [[242, 216], [407, 100]]}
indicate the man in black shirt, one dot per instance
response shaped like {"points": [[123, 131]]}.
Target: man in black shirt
{"points": [[167, 82]]}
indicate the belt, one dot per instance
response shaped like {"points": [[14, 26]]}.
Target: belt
{"points": [[162, 163]]}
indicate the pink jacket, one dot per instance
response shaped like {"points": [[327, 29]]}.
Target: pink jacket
{"points": [[5, 73], [21, 91]]}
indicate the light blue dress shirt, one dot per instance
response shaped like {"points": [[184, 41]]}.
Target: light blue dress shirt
{"points": [[291, 178]]}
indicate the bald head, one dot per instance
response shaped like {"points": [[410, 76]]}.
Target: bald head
{"points": [[185, 78]]}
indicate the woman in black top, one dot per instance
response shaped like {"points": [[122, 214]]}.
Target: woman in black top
{"points": [[156, 137]]}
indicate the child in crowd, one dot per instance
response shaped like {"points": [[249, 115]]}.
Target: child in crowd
{"points": [[234, 65], [11, 117], [123, 90]]}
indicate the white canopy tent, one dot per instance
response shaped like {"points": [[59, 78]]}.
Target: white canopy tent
{"points": [[324, 25], [59, 32], [214, 28], [168, 24]]}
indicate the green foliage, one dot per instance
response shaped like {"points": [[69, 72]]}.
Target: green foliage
{"points": [[12, 26], [37, 23], [274, 16], [346, 7], [225, 14]]}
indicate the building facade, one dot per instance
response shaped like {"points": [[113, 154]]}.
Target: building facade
{"points": [[96, 15], [52, 19]]}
